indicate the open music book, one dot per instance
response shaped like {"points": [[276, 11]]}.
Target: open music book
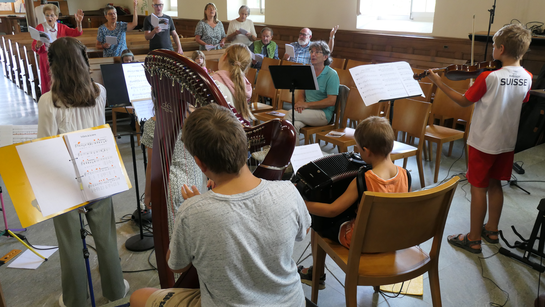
{"points": [[50, 176], [12, 134], [388, 81]]}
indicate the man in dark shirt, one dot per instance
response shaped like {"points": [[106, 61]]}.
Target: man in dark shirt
{"points": [[159, 37]]}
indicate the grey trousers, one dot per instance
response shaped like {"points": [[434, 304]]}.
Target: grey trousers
{"points": [[73, 272], [308, 117]]}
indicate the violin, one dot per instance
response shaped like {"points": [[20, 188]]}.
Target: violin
{"points": [[463, 72]]}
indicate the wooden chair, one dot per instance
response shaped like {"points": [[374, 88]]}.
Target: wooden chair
{"points": [[385, 246], [250, 75], [286, 62], [355, 110], [23, 70], [7, 59], [268, 62], [340, 104], [14, 65], [345, 77], [428, 89], [353, 63], [443, 107], [264, 87], [338, 63], [410, 118], [32, 78], [3, 60]]}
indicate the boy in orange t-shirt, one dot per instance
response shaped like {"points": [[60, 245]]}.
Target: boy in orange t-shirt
{"points": [[375, 140]]}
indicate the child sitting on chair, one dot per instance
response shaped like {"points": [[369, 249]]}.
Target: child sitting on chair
{"points": [[239, 236], [199, 58], [375, 140]]}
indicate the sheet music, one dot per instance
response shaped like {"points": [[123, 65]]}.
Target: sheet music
{"points": [[138, 87], [290, 50], [51, 174], [39, 35], [112, 40], [257, 56], [23, 133], [304, 154], [376, 82], [162, 23], [143, 109], [97, 162]]}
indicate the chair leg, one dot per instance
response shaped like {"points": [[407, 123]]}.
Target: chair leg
{"points": [[405, 162], [438, 161], [426, 145], [433, 275], [318, 267], [420, 169], [114, 122], [450, 149], [351, 293]]}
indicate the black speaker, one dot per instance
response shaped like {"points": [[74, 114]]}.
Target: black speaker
{"points": [[532, 118]]}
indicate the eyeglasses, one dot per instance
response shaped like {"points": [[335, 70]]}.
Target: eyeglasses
{"points": [[316, 52], [50, 15], [158, 5], [303, 34], [112, 14]]}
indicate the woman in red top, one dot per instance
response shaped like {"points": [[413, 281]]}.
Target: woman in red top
{"points": [[55, 30]]}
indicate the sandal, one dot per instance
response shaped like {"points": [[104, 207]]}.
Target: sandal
{"points": [[465, 243], [485, 234]]}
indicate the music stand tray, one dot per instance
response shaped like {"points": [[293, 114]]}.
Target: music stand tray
{"points": [[294, 77]]}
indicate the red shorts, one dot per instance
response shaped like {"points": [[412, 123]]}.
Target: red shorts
{"points": [[483, 166]]}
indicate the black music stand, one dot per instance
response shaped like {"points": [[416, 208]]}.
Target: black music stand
{"points": [[294, 77], [527, 246], [490, 22]]}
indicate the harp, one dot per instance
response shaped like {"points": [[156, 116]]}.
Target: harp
{"points": [[178, 83]]}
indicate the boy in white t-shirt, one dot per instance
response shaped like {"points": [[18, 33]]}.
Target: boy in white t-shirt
{"points": [[498, 96]]}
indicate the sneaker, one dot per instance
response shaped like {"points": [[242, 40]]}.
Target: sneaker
{"points": [[306, 277]]}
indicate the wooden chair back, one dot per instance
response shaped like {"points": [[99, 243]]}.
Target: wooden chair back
{"points": [[264, 87], [14, 64], [459, 86], [286, 62], [268, 61], [338, 63], [353, 63], [356, 109], [411, 117], [428, 89], [388, 222], [250, 75], [7, 59], [443, 108], [285, 97], [345, 78]]}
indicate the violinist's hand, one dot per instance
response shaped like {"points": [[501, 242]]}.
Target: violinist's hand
{"points": [[188, 192], [433, 76]]}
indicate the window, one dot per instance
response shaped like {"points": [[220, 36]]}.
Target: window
{"points": [[397, 15], [257, 6], [171, 7]]}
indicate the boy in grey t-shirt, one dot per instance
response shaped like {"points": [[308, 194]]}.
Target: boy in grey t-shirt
{"points": [[240, 235]]}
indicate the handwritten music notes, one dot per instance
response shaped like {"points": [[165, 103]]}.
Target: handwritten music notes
{"points": [[388, 81], [97, 163], [138, 87], [13, 134], [64, 173]]}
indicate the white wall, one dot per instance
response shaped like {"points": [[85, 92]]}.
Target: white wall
{"points": [[91, 5]]}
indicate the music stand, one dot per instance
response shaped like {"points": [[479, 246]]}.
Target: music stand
{"points": [[293, 77]]}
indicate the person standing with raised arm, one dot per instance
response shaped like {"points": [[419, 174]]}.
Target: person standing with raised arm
{"points": [[301, 46], [115, 28], [55, 31], [158, 38]]}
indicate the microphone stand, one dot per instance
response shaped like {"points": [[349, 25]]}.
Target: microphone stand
{"points": [[490, 22]]}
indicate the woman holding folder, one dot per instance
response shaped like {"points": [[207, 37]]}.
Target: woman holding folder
{"points": [[54, 30], [75, 102]]}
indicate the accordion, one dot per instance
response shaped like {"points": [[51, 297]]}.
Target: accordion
{"points": [[324, 180]]}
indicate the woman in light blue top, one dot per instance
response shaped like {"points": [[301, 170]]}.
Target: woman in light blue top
{"points": [[116, 29], [210, 31]]}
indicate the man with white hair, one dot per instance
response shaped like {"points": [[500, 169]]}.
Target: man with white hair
{"points": [[301, 51]]}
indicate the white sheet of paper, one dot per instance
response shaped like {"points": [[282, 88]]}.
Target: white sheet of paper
{"points": [[112, 40], [39, 35], [290, 50], [242, 31], [304, 154], [97, 162], [258, 57], [143, 109], [209, 47], [154, 20], [6, 135], [387, 81], [29, 260], [51, 174], [137, 84]]}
